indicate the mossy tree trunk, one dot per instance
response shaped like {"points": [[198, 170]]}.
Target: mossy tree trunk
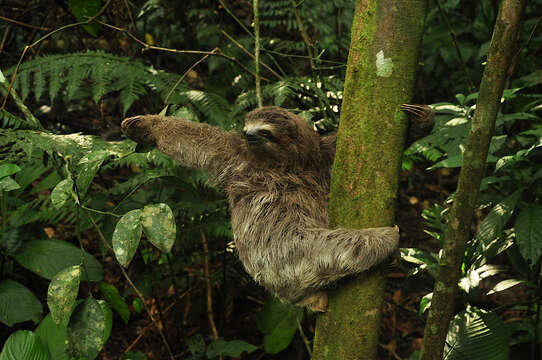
{"points": [[382, 62], [501, 51]]}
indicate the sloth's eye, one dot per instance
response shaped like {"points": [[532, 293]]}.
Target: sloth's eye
{"points": [[265, 133]]}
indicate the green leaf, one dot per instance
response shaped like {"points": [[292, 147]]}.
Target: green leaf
{"points": [[85, 9], [495, 221], [126, 236], [62, 191], [54, 337], [87, 168], [24, 345], [505, 284], [47, 257], [8, 170], [196, 345], [425, 303], [528, 228], [117, 302], [87, 329], [8, 184], [18, 304], [108, 319], [278, 321], [232, 348], [481, 335], [159, 226], [62, 293]]}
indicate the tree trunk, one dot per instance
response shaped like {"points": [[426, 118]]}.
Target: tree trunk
{"points": [[501, 51], [380, 76]]}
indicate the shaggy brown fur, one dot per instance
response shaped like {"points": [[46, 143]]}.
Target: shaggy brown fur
{"points": [[277, 178]]}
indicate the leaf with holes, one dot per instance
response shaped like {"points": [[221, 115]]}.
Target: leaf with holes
{"points": [[62, 293], [87, 330], [159, 226], [126, 236]]}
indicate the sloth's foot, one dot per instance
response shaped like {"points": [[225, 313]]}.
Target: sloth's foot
{"points": [[422, 120], [315, 302], [138, 128]]}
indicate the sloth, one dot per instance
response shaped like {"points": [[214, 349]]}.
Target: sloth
{"points": [[276, 176]]}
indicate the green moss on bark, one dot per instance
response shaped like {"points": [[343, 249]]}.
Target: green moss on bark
{"points": [[380, 77]]}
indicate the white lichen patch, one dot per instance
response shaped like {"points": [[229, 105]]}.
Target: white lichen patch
{"points": [[384, 66]]}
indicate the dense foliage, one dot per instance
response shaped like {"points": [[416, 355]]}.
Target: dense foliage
{"points": [[102, 241]]}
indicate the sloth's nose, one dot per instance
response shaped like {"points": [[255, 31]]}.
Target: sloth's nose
{"points": [[252, 137]]}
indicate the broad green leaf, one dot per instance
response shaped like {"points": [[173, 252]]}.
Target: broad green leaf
{"points": [[87, 329], [62, 293], [8, 184], [54, 337], [115, 300], [47, 257], [108, 319], [87, 168], [159, 226], [505, 284], [24, 345], [8, 170], [126, 236], [2, 78], [62, 191], [495, 221], [232, 348], [278, 321], [481, 335], [18, 304], [528, 228], [85, 9]]}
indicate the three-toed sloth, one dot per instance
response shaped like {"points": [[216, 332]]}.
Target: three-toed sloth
{"points": [[276, 176]]}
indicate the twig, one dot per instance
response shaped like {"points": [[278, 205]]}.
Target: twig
{"points": [[148, 326], [43, 38], [236, 43], [176, 51], [208, 285], [24, 24], [304, 34], [470, 84], [186, 73], [130, 14], [136, 290], [257, 52], [304, 337]]}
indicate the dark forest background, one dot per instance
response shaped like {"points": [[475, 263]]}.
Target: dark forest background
{"points": [[74, 191]]}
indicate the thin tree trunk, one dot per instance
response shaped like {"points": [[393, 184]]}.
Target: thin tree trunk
{"points": [[503, 45], [380, 76]]}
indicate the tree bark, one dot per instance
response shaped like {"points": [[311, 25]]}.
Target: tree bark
{"points": [[501, 51], [380, 76]]}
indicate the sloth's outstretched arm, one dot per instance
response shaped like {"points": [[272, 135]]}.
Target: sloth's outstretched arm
{"points": [[195, 145], [341, 252]]}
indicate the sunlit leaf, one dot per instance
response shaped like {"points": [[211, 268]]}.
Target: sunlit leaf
{"points": [[62, 293], [159, 226], [126, 236]]}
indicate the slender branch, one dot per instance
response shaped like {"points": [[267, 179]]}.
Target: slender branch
{"points": [[210, 313], [501, 51], [304, 337], [24, 24], [215, 52], [257, 52], [186, 73], [132, 285], [456, 47], [43, 38], [304, 34], [236, 43]]}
